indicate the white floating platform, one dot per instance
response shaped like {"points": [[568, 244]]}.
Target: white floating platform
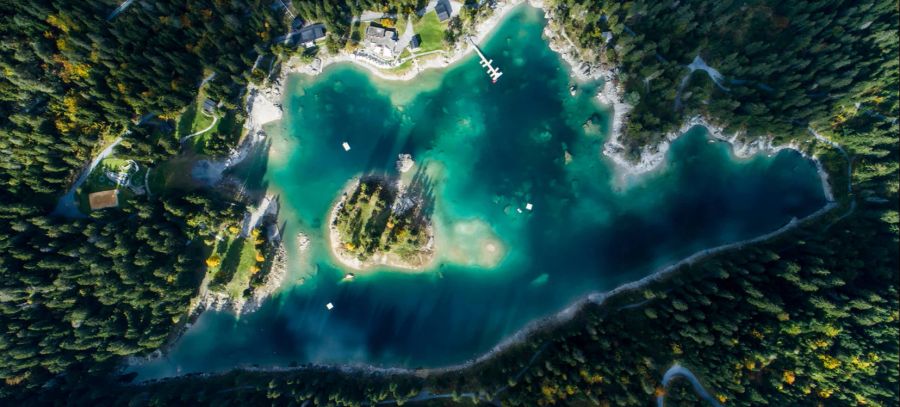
{"points": [[529, 206], [329, 306], [346, 146]]}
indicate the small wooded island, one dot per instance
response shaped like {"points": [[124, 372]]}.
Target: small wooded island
{"points": [[382, 222]]}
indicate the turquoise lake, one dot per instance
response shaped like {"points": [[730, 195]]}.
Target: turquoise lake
{"points": [[489, 150]]}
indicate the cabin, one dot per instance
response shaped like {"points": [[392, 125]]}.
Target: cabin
{"points": [[310, 34], [104, 199], [209, 107], [443, 11], [415, 42]]}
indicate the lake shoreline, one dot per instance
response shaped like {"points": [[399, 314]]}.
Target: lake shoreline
{"points": [[262, 99], [534, 327], [651, 159]]}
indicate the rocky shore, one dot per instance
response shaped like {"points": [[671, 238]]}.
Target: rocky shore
{"points": [[272, 282]]}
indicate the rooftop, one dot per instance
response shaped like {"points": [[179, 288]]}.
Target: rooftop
{"points": [[443, 12], [312, 33], [381, 34], [209, 106], [104, 199]]}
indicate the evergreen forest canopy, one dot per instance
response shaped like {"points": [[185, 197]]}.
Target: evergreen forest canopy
{"points": [[77, 295], [808, 318], [786, 66]]}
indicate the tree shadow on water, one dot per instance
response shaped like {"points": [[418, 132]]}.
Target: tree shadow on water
{"points": [[421, 190]]}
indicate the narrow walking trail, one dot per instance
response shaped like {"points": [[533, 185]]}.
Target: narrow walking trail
{"points": [[699, 64], [119, 9], [197, 133], [844, 153], [680, 371]]}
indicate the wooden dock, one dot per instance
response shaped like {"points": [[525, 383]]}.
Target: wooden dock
{"points": [[493, 72]]}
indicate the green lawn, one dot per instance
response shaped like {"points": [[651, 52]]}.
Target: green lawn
{"points": [[193, 120], [431, 32], [238, 257], [408, 65], [97, 181], [400, 25], [172, 174], [402, 68], [362, 30]]}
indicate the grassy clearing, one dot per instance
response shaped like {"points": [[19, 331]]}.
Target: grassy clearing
{"points": [[362, 30], [192, 120], [400, 25], [402, 68], [431, 32], [97, 181], [173, 174], [235, 262]]}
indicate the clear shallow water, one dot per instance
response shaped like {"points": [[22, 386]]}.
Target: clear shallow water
{"points": [[489, 149]]}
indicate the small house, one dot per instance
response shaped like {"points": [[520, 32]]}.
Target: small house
{"points": [[209, 107], [442, 10], [104, 199], [310, 34], [415, 42]]}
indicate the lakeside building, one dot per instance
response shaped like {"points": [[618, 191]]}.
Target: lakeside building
{"points": [[382, 40], [310, 34], [104, 199], [442, 10]]}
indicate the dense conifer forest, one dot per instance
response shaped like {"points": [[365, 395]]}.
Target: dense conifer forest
{"points": [[76, 295], [785, 66], [809, 318]]}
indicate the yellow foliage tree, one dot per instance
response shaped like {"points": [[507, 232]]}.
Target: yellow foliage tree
{"points": [[830, 362], [214, 261], [789, 377], [58, 22]]}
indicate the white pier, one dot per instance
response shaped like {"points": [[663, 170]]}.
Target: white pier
{"points": [[494, 73]]}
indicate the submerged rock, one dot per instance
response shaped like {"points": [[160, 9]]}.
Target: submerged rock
{"points": [[405, 162], [302, 242]]}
